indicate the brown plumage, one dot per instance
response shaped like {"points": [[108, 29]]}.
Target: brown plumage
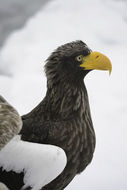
{"points": [[10, 122], [63, 117]]}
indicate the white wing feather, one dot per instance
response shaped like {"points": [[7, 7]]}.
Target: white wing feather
{"points": [[3, 187], [41, 163]]}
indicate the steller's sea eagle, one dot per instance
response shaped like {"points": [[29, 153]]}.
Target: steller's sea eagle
{"points": [[63, 117]]}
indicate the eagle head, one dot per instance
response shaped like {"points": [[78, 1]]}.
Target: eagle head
{"points": [[72, 61]]}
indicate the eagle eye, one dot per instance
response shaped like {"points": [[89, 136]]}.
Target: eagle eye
{"points": [[79, 58]]}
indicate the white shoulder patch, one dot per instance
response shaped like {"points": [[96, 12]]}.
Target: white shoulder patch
{"points": [[3, 187], [41, 163]]}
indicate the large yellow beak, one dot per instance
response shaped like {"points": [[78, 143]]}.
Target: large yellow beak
{"points": [[97, 61]]}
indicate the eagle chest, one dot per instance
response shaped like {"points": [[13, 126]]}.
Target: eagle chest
{"points": [[80, 145], [76, 140]]}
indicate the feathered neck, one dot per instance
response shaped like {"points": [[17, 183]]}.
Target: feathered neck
{"points": [[64, 100]]}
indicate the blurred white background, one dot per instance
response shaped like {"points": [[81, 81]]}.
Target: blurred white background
{"points": [[102, 24]]}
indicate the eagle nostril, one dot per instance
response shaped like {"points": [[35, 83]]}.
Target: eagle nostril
{"points": [[97, 56]]}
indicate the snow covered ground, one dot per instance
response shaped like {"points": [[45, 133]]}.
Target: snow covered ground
{"points": [[102, 24]]}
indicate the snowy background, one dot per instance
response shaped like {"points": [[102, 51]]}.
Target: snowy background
{"points": [[102, 24]]}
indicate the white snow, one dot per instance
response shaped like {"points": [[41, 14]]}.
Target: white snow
{"points": [[40, 163], [102, 24]]}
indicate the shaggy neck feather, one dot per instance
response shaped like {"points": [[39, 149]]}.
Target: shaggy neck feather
{"points": [[64, 100]]}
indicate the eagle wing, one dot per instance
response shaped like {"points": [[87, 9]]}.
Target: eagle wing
{"points": [[27, 163]]}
